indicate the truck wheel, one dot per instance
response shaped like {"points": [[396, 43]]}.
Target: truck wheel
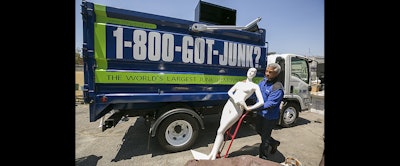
{"points": [[178, 132], [289, 113]]}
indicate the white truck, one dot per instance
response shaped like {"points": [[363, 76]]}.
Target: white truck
{"points": [[296, 78]]}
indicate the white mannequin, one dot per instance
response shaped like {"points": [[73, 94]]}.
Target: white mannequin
{"points": [[233, 109]]}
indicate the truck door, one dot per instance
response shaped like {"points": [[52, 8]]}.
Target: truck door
{"points": [[297, 95], [300, 79]]}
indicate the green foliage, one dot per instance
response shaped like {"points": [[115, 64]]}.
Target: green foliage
{"points": [[78, 58]]}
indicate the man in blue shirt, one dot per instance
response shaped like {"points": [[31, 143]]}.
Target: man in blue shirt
{"points": [[268, 115]]}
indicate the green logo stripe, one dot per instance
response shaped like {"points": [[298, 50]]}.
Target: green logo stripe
{"points": [[103, 76], [101, 17], [100, 45], [100, 32]]}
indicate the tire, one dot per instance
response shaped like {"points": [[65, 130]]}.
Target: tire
{"points": [[178, 132], [289, 114]]}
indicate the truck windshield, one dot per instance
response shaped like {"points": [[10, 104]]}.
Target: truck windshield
{"points": [[300, 69]]}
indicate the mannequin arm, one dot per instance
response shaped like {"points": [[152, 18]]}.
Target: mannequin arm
{"points": [[259, 99], [230, 92]]}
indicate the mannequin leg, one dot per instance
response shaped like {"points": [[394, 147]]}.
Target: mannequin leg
{"points": [[217, 144], [230, 115]]}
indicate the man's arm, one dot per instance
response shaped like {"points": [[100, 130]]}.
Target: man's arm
{"points": [[274, 99]]}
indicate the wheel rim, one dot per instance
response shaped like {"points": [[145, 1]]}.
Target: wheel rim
{"points": [[289, 115], [178, 133]]}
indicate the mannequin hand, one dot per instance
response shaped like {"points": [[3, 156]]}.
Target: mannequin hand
{"points": [[243, 105], [237, 102]]}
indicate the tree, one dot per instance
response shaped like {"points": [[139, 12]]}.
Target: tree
{"points": [[78, 58]]}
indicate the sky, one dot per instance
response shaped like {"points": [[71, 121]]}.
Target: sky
{"points": [[292, 26]]}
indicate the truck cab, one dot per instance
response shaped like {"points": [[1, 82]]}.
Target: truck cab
{"points": [[296, 79]]}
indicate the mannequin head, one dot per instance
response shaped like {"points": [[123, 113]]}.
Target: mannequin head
{"points": [[251, 73]]}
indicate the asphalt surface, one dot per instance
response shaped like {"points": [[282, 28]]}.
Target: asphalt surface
{"points": [[128, 143]]}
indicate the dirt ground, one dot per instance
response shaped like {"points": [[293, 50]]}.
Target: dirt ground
{"points": [[128, 143]]}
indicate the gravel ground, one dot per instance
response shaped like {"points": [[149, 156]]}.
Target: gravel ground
{"points": [[128, 143]]}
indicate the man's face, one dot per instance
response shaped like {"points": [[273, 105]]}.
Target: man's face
{"points": [[270, 73]]}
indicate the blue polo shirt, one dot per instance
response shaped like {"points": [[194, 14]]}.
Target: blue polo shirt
{"points": [[272, 93]]}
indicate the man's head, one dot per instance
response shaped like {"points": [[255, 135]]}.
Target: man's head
{"points": [[272, 71]]}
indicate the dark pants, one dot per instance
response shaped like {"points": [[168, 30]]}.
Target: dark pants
{"points": [[264, 129]]}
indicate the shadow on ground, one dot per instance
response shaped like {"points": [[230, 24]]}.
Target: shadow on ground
{"points": [[137, 142], [88, 160], [253, 150]]}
